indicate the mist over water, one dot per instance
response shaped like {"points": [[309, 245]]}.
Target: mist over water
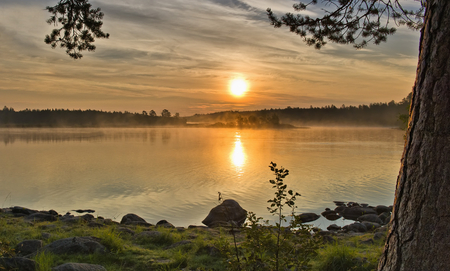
{"points": [[176, 173]]}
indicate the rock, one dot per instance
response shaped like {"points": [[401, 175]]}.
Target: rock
{"points": [[334, 227], [22, 210], [339, 203], [383, 216], [165, 224], [364, 205], [379, 236], [371, 225], [308, 217], [81, 245], [382, 209], [339, 209], [53, 212], [355, 212], [327, 212], [356, 227], [18, 263], [28, 247], [387, 220], [79, 267], [225, 213], [39, 217], [333, 217], [132, 219], [371, 218]]}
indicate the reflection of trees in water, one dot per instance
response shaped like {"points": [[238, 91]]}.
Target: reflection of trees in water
{"points": [[10, 136], [165, 136]]}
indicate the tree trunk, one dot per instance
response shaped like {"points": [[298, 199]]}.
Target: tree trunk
{"points": [[419, 238]]}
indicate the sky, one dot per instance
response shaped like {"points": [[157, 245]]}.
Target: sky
{"points": [[180, 55]]}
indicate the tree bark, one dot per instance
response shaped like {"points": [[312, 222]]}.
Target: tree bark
{"points": [[419, 237]]}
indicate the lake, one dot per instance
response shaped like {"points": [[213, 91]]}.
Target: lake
{"points": [[176, 173]]}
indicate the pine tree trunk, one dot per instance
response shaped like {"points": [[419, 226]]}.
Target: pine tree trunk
{"points": [[419, 238]]}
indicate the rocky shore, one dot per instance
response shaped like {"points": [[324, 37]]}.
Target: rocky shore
{"points": [[50, 223]]}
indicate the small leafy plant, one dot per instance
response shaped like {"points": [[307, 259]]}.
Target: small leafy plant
{"points": [[268, 247]]}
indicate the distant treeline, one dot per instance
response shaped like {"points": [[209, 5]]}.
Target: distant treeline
{"points": [[84, 118], [376, 114]]}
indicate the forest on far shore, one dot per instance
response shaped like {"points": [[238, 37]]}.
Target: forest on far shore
{"points": [[390, 114]]}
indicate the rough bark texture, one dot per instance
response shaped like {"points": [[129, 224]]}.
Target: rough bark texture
{"points": [[419, 238]]}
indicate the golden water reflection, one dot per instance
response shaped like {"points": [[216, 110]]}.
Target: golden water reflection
{"points": [[238, 155]]}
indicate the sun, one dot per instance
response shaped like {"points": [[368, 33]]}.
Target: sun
{"points": [[238, 86]]}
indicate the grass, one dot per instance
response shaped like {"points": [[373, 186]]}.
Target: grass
{"points": [[157, 252]]}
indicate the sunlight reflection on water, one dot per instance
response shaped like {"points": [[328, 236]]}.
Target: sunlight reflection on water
{"points": [[175, 173]]}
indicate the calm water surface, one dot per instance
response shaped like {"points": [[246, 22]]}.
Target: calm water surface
{"points": [[176, 173]]}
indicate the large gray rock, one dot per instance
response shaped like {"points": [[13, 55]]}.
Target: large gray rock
{"points": [[73, 245], [371, 225], [355, 212], [28, 247], [308, 217], [228, 212], [382, 209], [371, 218], [132, 219], [39, 217], [18, 263], [23, 210], [78, 267], [356, 227]]}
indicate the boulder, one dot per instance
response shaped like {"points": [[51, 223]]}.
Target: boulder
{"points": [[79, 267], [339, 203], [355, 212], [165, 224], [28, 247], [383, 216], [356, 227], [371, 225], [339, 209], [72, 245], [228, 212], [132, 219], [334, 227], [23, 210], [39, 217], [382, 209], [379, 235], [371, 218], [308, 217], [18, 263], [333, 216]]}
